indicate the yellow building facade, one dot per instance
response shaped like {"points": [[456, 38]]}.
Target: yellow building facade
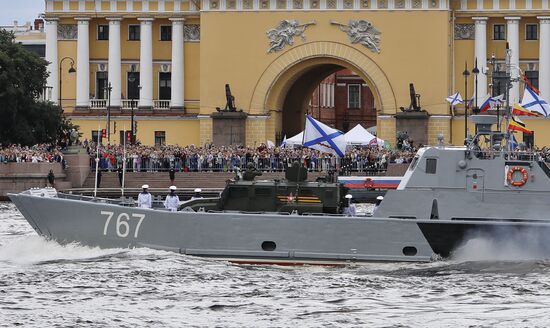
{"points": [[168, 61]]}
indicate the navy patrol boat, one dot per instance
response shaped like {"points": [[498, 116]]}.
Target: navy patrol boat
{"points": [[447, 196]]}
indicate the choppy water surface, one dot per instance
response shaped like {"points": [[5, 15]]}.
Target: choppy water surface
{"points": [[43, 284]]}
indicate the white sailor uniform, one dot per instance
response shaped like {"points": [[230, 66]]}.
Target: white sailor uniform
{"points": [[172, 202], [145, 200]]}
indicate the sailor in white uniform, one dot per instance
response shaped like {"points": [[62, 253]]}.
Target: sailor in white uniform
{"points": [[379, 200], [197, 194], [145, 200], [350, 209], [172, 200]]}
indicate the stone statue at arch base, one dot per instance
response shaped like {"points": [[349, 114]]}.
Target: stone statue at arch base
{"points": [[228, 123], [413, 120]]}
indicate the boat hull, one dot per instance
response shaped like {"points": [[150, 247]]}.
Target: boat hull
{"points": [[241, 237]]}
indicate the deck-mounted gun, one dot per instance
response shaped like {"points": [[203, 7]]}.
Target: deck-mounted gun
{"points": [[415, 101]]}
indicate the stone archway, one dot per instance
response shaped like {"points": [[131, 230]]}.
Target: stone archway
{"points": [[301, 68]]}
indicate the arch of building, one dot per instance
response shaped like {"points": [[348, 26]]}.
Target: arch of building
{"points": [[284, 88]]}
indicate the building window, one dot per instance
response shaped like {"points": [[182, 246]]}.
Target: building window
{"points": [[166, 33], [102, 79], [160, 138], [354, 95], [165, 86], [133, 32], [531, 32], [533, 77], [499, 32], [103, 32], [96, 136], [499, 83], [133, 85]]}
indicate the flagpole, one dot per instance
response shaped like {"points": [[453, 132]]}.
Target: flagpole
{"points": [[97, 159], [123, 162]]}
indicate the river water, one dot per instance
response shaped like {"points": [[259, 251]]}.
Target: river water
{"points": [[43, 284]]}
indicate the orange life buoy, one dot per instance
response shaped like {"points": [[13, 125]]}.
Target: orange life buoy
{"points": [[524, 178]]}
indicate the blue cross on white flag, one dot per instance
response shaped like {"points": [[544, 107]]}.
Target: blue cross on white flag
{"points": [[283, 143], [323, 138], [533, 102], [455, 99]]}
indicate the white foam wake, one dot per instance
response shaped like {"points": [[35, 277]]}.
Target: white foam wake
{"points": [[501, 246], [34, 249]]}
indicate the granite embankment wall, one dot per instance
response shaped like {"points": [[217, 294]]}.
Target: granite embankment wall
{"points": [[17, 177]]}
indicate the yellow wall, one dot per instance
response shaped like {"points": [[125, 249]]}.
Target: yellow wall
{"points": [[248, 57], [146, 129]]}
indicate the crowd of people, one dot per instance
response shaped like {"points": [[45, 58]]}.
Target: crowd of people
{"points": [[231, 158], [42, 153]]}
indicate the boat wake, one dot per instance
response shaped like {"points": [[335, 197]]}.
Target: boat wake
{"points": [[32, 250], [505, 245]]}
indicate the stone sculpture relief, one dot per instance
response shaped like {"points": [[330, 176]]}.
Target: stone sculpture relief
{"points": [[464, 32], [284, 34], [362, 32], [192, 32], [67, 32]]}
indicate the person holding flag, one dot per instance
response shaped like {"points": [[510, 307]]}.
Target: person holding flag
{"points": [[323, 138]]}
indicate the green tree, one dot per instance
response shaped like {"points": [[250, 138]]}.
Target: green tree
{"points": [[24, 118]]}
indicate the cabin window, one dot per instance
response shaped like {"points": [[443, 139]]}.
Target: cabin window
{"points": [[431, 165]]}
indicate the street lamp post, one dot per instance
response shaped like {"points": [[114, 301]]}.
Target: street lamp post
{"points": [[475, 71], [466, 73], [132, 79], [109, 88], [71, 71]]}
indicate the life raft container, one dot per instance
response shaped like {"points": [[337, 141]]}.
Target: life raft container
{"points": [[524, 176]]}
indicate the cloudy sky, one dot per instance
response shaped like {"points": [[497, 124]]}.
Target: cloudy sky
{"points": [[20, 10]]}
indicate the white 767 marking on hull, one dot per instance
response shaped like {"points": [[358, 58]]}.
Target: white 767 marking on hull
{"points": [[122, 226]]}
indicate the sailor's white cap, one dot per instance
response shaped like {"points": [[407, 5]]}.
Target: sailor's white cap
{"points": [[198, 190], [173, 188], [380, 198], [145, 186], [348, 196]]}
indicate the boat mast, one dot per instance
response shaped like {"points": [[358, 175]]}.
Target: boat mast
{"points": [[508, 65]]}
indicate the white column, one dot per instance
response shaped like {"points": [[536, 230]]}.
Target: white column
{"points": [[178, 86], [51, 57], [83, 63], [115, 62], [146, 63], [512, 31], [481, 56], [544, 56]]}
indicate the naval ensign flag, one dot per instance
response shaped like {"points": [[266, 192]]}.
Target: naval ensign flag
{"points": [[323, 138]]}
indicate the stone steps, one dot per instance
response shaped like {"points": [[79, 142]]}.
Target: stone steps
{"points": [[182, 180]]}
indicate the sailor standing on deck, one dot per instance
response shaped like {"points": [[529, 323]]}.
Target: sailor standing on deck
{"points": [[172, 200], [197, 194], [145, 200], [379, 200], [350, 209]]}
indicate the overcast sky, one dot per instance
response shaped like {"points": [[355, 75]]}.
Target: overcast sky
{"points": [[20, 10]]}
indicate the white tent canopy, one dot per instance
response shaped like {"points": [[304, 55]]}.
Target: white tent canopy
{"points": [[295, 141], [359, 136]]}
